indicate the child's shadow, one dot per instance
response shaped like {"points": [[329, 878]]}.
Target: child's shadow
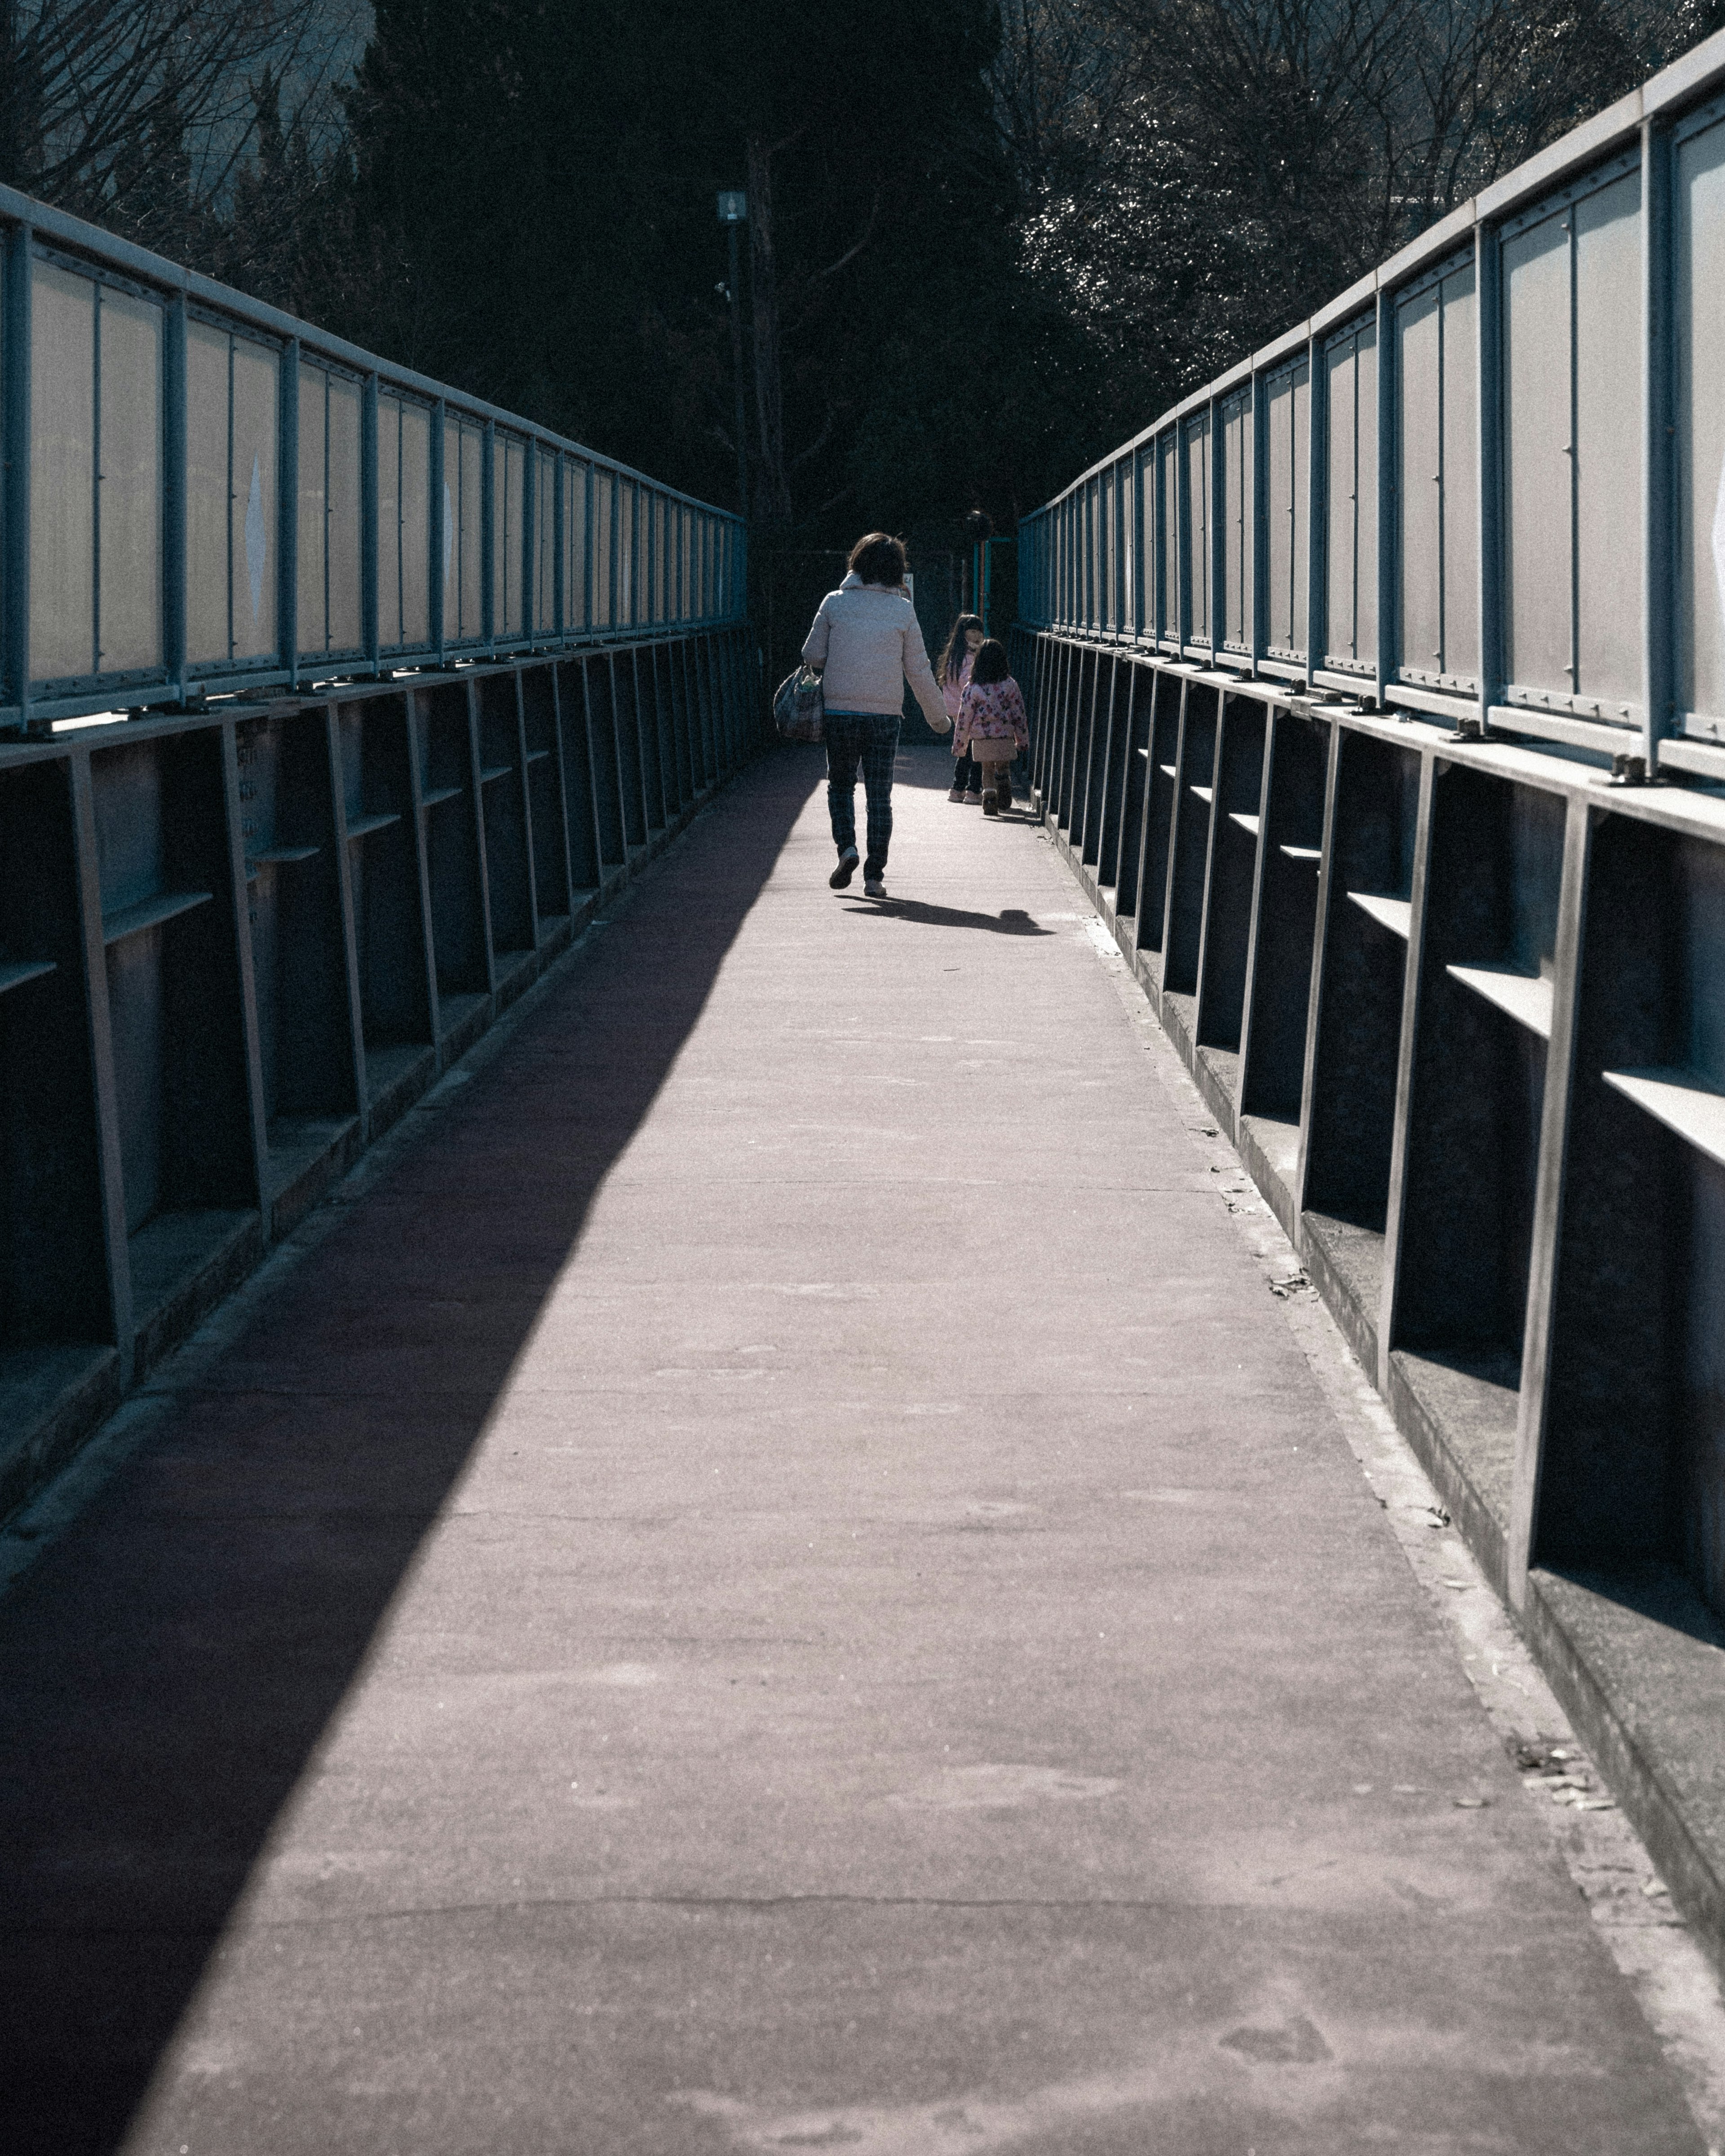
{"points": [[1010, 920]]}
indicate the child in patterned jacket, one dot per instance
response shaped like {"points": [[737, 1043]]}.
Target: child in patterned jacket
{"points": [[992, 725], [953, 674]]}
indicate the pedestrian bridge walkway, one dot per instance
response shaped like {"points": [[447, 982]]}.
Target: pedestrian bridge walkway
{"points": [[771, 1576]]}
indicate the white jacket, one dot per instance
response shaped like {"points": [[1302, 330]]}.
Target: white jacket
{"points": [[867, 639]]}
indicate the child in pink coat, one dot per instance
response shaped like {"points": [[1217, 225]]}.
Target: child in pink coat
{"points": [[992, 725], [953, 673]]}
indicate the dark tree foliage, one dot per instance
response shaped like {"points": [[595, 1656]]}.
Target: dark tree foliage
{"points": [[989, 239], [138, 113], [1219, 168], [529, 214]]}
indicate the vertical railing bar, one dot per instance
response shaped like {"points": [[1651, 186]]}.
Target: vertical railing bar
{"points": [[1441, 653], [559, 549], [1658, 595], [530, 540], [17, 345], [287, 511], [488, 540], [1573, 266], [324, 633], [1389, 590], [615, 520], [1258, 600], [1317, 508], [174, 495], [368, 519], [587, 619], [103, 1079], [96, 481], [1488, 298], [1216, 531], [436, 534], [228, 563]]}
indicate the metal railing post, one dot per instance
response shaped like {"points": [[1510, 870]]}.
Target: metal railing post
{"points": [[368, 540], [1257, 599], [1218, 532], [16, 627], [1658, 569], [488, 540], [1317, 508], [1488, 410], [1388, 592], [287, 517], [440, 539]]}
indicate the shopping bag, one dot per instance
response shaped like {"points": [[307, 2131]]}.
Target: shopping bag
{"points": [[798, 709]]}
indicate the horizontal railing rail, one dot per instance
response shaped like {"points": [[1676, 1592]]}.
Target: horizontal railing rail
{"points": [[1485, 483], [203, 495]]}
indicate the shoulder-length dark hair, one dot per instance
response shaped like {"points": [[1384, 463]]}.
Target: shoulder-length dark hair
{"points": [[879, 558], [990, 664], [952, 658]]}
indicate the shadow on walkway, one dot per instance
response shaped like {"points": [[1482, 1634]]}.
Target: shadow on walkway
{"points": [[1010, 920], [168, 1669]]}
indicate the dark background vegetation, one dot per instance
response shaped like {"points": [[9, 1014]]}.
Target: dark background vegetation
{"points": [[990, 240]]}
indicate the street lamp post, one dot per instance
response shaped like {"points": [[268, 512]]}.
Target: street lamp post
{"points": [[733, 215]]}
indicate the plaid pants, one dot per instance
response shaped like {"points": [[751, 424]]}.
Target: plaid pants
{"points": [[873, 740]]}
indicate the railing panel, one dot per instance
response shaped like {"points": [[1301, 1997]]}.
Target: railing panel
{"points": [[231, 415], [627, 504], [311, 544], [1167, 536], [1698, 220], [575, 567], [1537, 455], [1238, 517], [1573, 394], [1608, 438], [1195, 575], [207, 487], [129, 623], [403, 524], [464, 543], [1439, 482], [1351, 392], [544, 579], [1288, 405], [509, 460], [331, 615], [63, 364]]}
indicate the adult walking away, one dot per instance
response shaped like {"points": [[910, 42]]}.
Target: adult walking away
{"points": [[868, 643]]}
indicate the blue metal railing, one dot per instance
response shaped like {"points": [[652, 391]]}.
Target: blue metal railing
{"points": [[203, 495], [1484, 483]]}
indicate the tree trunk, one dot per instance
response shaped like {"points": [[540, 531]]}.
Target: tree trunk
{"points": [[773, 493], [20, 114]]}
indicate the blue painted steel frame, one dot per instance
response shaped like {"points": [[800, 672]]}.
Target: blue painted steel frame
{"points": [[1057, 583], [717, 546]]}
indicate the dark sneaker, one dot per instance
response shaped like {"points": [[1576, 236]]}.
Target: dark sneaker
{"points": [[991, 802], [846, 868], [874, 887]]}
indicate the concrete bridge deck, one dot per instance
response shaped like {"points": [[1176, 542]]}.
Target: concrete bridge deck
{"points": [[780, 1583]]}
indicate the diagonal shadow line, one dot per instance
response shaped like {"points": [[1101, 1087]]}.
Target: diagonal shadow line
{"points": [[167, 1669]]}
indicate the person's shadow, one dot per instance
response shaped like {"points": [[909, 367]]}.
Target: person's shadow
{"points": [[1010, 920]]}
